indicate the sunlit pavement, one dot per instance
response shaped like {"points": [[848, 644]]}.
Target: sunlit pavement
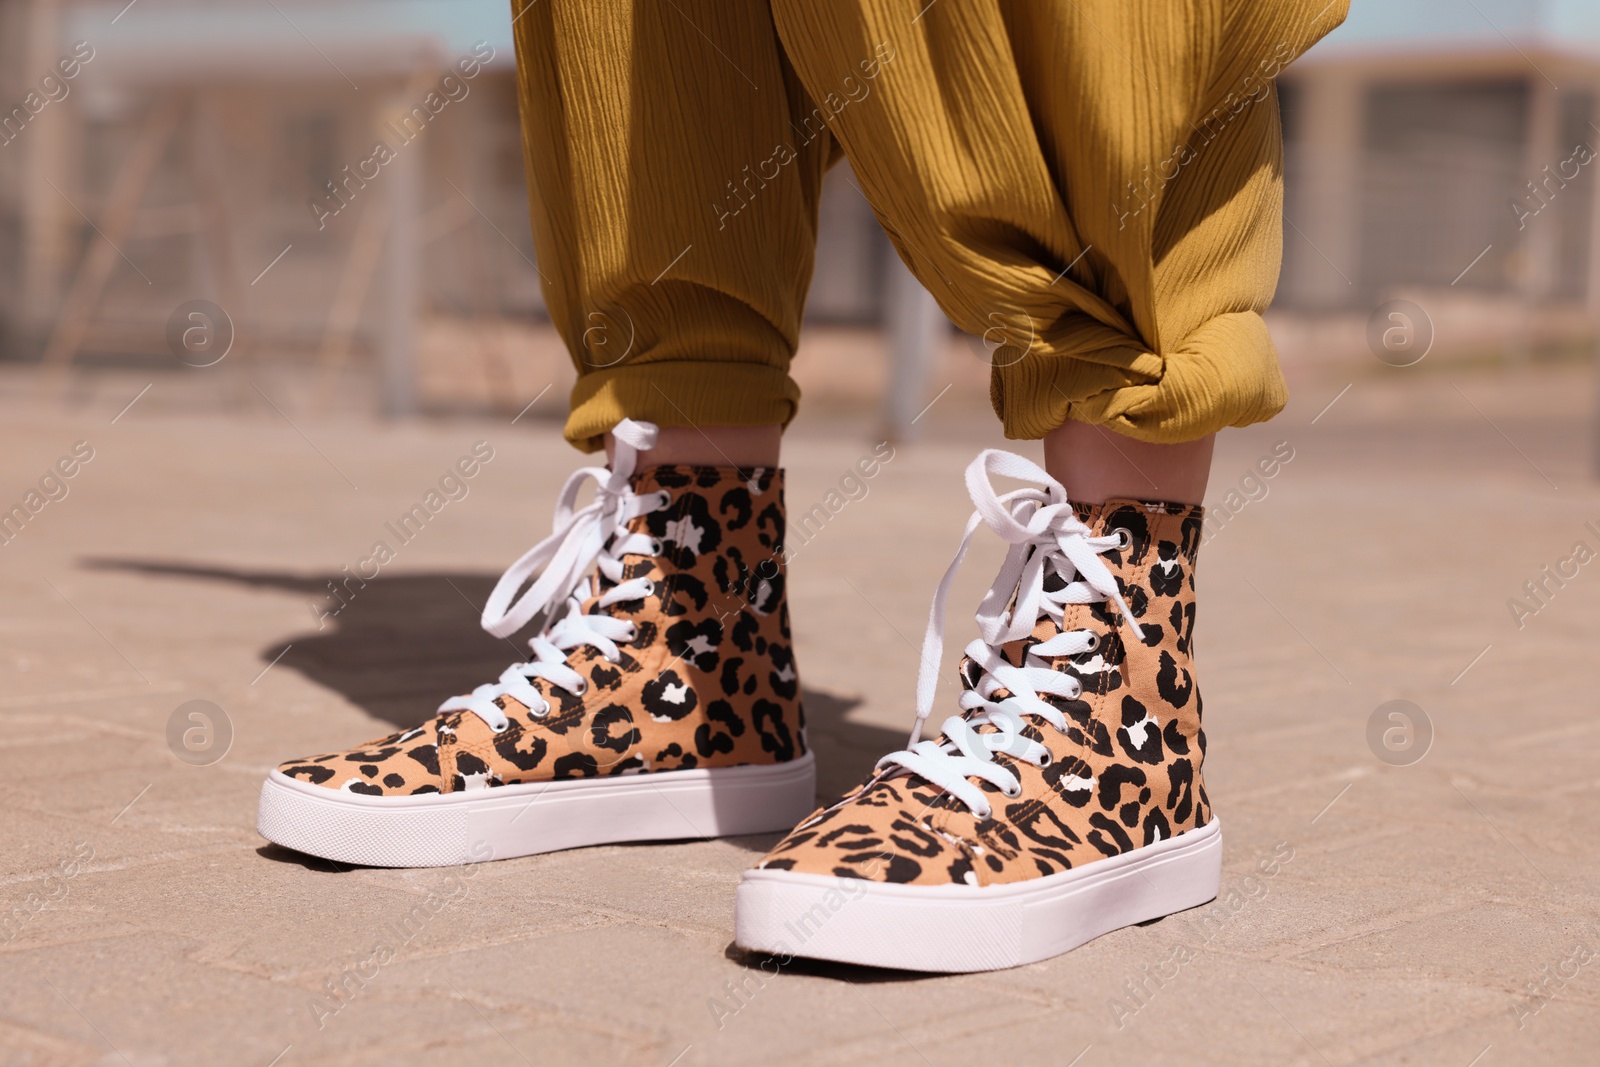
{"points": [[1432, 898]]}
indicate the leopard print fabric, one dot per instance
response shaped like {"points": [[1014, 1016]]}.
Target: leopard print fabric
{"points": [[709, 681], [1125, 774]]}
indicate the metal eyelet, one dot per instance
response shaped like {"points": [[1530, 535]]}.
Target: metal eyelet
{"points": [[649, 587], [1124, 538], [581, 688], [540, 713], [1043, 761], [656, 547], [1013, 792], [1094, 641], [502, 728]]}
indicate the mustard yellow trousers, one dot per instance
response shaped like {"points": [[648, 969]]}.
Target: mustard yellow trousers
{"points": [[1094, 186]]}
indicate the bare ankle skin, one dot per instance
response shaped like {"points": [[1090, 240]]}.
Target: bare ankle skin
{"points": [[711, 446], [1097, 465]]}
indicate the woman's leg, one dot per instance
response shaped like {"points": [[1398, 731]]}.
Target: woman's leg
{"points": [[674, 178], [1096, 465], [1095, 188], [713, 446]]}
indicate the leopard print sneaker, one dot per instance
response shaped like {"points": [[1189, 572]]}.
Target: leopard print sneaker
{"points": [[1064, 801], [660, 701]]}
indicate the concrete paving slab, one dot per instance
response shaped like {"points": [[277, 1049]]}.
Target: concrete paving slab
{"points": [[1434, 910]]}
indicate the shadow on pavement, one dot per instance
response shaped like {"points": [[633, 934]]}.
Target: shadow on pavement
{"points": [[399, 646], [403, 643], [851, 973]]}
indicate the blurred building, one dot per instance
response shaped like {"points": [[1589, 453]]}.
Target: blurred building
{"points": [[212, 144], [1466, 166], [204, 139]]}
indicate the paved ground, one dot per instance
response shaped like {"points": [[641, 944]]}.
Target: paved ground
{"points": [[1414, 908]]}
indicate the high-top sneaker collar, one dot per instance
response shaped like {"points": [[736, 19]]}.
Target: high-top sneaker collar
{"points": [[1162, 545], [1162, 536], [580, 540], [1162, 542], [706, 505], [700, 503], [652, 538]]}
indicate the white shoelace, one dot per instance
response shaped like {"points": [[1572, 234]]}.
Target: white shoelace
{"points": [[1046, 537], [593, 537]]}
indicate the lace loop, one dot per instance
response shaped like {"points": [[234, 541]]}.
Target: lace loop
{"points": [[593, 538], [576, 539], [1046, 538]]}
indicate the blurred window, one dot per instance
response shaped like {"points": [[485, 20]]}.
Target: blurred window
{"points": [[1442, 164]]}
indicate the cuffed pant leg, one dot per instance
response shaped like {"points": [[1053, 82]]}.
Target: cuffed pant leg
{"points": [[674, 170]]}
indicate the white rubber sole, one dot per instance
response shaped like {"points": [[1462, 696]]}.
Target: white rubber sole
{"points": [[440, 829], [958, 928]]}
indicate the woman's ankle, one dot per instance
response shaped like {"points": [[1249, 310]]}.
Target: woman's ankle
{"points": [[1096, 465], [712, 446]]}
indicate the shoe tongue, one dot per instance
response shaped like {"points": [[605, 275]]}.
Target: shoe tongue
{"points": [[1149, 525], [597, 584]]}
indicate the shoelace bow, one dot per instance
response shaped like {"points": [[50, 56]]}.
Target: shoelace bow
{"points": [[595, 536], [1045, 536]]}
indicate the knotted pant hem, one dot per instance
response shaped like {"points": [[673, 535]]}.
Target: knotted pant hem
{"points": [[1224, 374]]}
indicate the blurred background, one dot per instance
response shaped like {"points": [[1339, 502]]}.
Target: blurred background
{"points": [[231, 366], [1437, 153]]}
